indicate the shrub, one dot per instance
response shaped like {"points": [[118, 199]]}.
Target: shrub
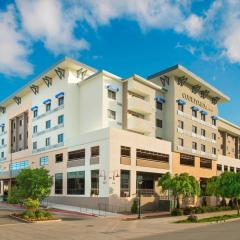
{"points": [[47, 214], [40, 214], [31, 204], [134, 208], [177, 212], [28, 214], [192, 218], [188, 210], [12, 199]]}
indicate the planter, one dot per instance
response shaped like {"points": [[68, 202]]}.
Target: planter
{"points": [[36, 220]]}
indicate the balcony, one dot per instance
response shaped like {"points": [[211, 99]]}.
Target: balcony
{"points": [[76, 162], [152, 164], [125, 160], [139, 105], [139, 125]]}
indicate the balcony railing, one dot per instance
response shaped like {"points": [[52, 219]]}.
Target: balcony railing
{"points": [[47, 148], [48, 130], [76, 162], [49, 112]]}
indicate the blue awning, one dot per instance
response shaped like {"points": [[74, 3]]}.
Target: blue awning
{"points": [[112, 88], [61, 94], [2, 125], [160, 99], [215, 117], [34, 108], [47, 101], [195, 108], [181, 101], [203, 112]]}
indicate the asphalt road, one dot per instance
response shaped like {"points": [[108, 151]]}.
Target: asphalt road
{"points": [[222, 231]]}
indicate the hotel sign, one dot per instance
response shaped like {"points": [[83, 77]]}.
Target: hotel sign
{"points": [[197, 102]]}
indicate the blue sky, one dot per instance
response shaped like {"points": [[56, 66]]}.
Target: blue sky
{"points": [[123, 37]]}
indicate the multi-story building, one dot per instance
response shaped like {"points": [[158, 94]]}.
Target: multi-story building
{"points": [[104, 138]]}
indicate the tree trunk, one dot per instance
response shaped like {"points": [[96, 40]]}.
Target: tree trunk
{"points": [[237, 207], [178, 203]]}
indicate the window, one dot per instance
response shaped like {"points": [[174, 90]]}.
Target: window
{"points": [[205, 163], [60, 138], [203, 132], [214, 150], [2, 141], [214, 136], [94, 182], [159, 106], [135, 114], [231, 169], [48, 107], [19, 165], [203, 117], [237, 169], [58, 157], [95, 151], [203, 148], [34, 145], [43, 161], [111, 114], [219, 167], [60, 101], [3, 128], [180, 142], [136, 95], [35, 113], [225, 168], [111, 94], [194, 113], [48, 124], [194, 129], [47, 141], [180, 124], [58, 183], [181, 107], [2, 154], [152, 156], [186, 159], [125, 183], [125, 151], [78, 154], [76, 183], [158, 123], [214, 122], [20, 137], [20, 122], [35, 129], [194, 145], [61, 119]]}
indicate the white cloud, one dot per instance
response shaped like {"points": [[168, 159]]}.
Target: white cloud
{"points": [[49, 22], [13, 46]]}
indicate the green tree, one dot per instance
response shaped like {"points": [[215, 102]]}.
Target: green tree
{"points": [[229, 186], [212, 186], [180, 185], [33, 183]]}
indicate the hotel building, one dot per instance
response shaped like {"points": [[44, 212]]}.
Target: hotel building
{"points": [[104, 138]]}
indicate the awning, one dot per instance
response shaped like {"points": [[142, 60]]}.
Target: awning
{"points": [[61, 94], [34, 108], [194, 108], [203, 112], [160, 99], [112, 88], [2, 125], [181, 102], [47, 101], [215, 117]]}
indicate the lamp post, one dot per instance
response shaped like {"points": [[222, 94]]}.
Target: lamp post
{"points": [[139, 182]]}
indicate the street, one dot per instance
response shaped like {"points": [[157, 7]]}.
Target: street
{"points": [[79, 227]]}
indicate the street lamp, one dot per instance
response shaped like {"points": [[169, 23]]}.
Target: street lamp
{"points": [[139, 182]]}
